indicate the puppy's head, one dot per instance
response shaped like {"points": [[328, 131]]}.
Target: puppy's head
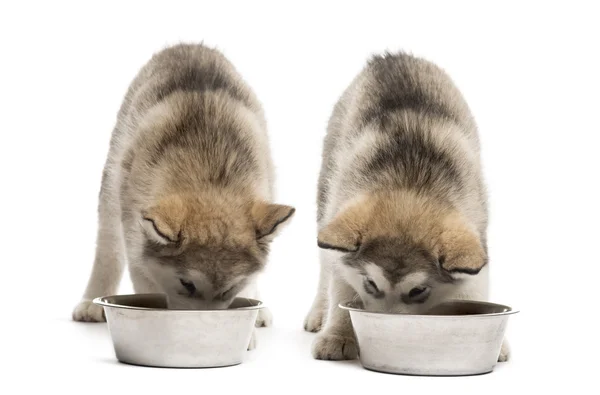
{"points": [[401, 252], [202, 251]]}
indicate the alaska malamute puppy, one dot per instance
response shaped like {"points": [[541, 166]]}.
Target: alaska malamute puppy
{"points": [[187, 187], [402, 211]]}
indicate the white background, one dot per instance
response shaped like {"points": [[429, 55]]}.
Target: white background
{"points": [[529, 71]]}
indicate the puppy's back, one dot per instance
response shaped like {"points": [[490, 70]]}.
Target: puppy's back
{"points": [[185, 68], [404, 82], [401, 123], [399, 82], [189, 121]]}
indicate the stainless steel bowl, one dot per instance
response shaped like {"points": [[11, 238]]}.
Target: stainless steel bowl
{"points": [[145, 332], [455, 338]]}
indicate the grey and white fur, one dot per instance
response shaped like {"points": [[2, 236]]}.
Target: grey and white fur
{"points": [[187, 189], [402, 212]]}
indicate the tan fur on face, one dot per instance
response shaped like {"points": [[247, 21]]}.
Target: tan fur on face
{"points": [[167, 217], [213, 219], [205, 219], [220, 236], [267, 217], [423, 221], [345, 232], [460, 247]]}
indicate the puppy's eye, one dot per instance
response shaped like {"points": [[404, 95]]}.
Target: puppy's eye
{"points": [[418, 294], [371, 288], [188, 285]]}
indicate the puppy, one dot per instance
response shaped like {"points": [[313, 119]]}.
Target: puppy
{"points": [[187, 189], [402, 211]]}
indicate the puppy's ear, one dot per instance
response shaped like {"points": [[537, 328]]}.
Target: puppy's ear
{"points": [[269, 219], [343, 233], [162, 222], [461, 250]]}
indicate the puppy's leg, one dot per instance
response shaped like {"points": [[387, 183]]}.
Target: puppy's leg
{"points": [[264, 318], [110, 252], [336, 341], [316, 316]]}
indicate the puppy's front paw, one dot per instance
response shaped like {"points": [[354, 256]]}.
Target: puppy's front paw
{"points": [[86, 311], [334, 347], [314, 320], [252, 344], [264, 318], [504, 352]]}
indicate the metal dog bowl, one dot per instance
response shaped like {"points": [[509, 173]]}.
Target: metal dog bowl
{"points": [[145, 332], [454, 338]]}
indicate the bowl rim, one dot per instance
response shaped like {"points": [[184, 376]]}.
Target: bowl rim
{"points": [[100, 301], [510, 310]]}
